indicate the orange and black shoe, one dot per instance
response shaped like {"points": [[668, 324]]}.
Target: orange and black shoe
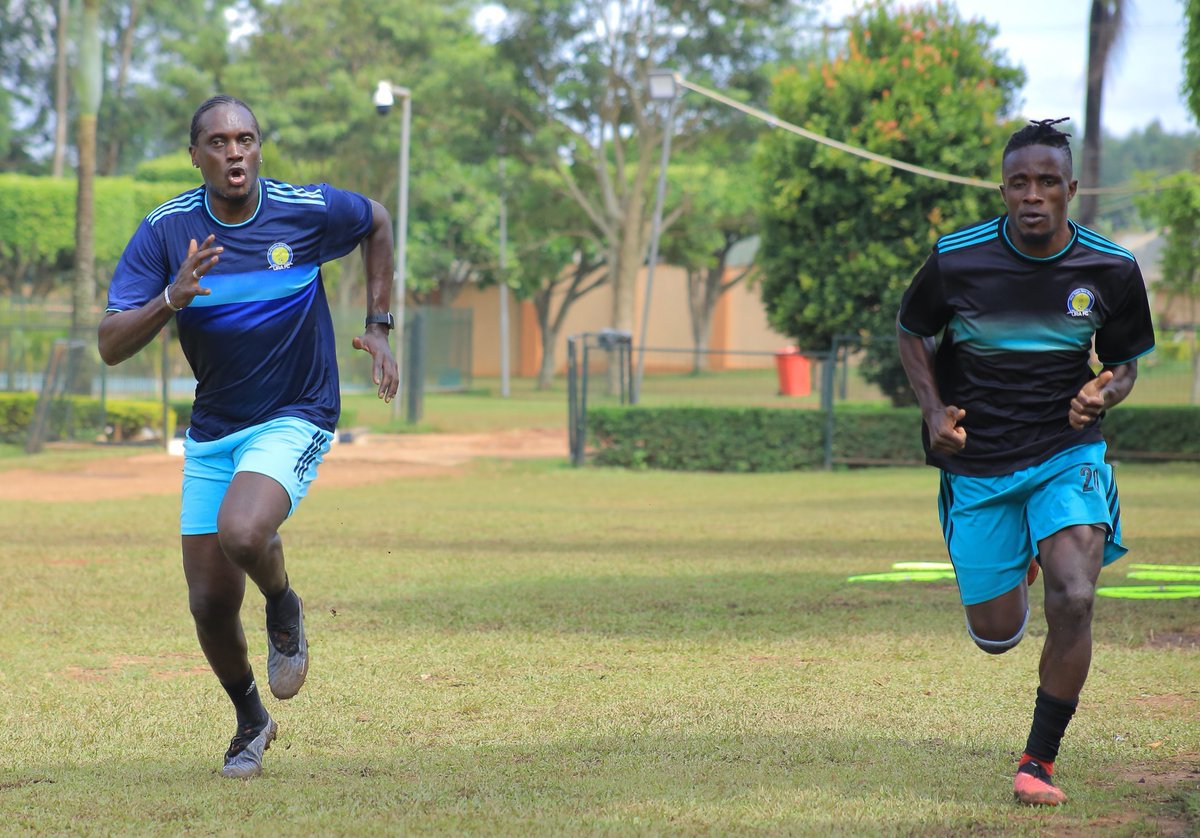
{"points": [[1033, 786], [1031, 574]]}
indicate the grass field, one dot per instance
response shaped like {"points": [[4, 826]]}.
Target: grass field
{"points": [[527, 648]]}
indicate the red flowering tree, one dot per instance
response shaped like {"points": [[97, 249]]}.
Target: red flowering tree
{"points": [[842, 236]]}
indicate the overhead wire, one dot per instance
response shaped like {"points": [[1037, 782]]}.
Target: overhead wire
{"points": [[892, 162]]}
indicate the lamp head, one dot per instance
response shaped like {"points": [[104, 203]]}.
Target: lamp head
{"points": [[661, 84], [384, 98]]}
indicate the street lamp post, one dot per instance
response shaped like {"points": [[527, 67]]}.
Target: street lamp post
{"points": [[385, 97], [663, 86], [504, 318]]}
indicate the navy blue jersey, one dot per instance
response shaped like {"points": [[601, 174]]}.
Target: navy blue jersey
{"points": [[1017, 335], [261, 345]]}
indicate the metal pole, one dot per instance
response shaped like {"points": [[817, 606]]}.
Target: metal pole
{"points": [[572, 401], [416, 369], [401, 261], [827, 378], [504, 369], [654, 231], [165, 360]]}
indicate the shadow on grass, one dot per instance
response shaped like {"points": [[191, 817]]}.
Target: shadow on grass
{"points": [[735, 604], [805, 782], [818, 604]]}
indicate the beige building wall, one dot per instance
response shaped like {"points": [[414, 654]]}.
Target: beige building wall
{"points": [[739, 323]]}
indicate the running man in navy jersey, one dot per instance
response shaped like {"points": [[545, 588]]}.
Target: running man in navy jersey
{"points": [[1012, 412], [237, 263]]}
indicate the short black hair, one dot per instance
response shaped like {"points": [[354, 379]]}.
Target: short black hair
{"points": [[1040, 132], [212, 102]]}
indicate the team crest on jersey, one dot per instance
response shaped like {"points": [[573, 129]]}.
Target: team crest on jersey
{"points": [[1080, 302], [279, 256]]}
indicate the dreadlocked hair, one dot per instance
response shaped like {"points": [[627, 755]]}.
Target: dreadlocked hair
{"points": [[220, 99], [1040, 132]]}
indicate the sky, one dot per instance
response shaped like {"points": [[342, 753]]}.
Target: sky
{"points": [[1049, 39]]}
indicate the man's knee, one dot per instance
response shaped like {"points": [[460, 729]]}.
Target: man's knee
{"points": [[998, 638], [242, 541], [1071, 603], [212, 606]]}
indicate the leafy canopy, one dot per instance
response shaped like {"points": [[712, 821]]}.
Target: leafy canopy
{"points": [[842, 236]]}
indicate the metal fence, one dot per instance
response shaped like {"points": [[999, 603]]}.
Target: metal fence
{"points": [[438, 352], [599, 371]]}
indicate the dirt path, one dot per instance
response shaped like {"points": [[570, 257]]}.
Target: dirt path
{"points": [[366, 459]]}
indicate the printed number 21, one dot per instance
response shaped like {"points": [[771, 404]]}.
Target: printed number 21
{"points": [[1089, 477]]}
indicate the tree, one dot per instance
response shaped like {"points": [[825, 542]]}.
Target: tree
{"points": [[88, 91], [26, 71], [1147, 151], [312, 95], [127, 29], [584, 64], [161, 61], [1191, 57], [719, 212], [558, 259], [1105, 27], [61, 87], [842, 237], [1175, 207]]}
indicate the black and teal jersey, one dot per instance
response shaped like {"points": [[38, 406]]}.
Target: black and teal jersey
{"points": [[1017, 334]]}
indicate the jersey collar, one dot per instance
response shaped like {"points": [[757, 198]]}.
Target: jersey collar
{"points": [[1004, 232], [253, 215]]}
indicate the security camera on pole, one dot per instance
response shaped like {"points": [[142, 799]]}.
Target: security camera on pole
{"points": [[385, 98]]}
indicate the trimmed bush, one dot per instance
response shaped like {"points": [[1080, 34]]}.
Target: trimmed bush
{"points": [[764, 439], [37, 219], [1153, 433], [707, 439], [80, 417]]}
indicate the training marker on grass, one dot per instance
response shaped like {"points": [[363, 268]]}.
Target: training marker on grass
{"points": [[1157, 573], [909, 572]]}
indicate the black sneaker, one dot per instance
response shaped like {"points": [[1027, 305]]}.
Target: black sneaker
{"points": [[245, 755], [287, 654]]}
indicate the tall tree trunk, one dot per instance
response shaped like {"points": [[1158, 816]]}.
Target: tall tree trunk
{"points": [[701, 318], [1106, 19], [61, 91], [630, 253], [546, 368], [112, 158], [90, 86]]}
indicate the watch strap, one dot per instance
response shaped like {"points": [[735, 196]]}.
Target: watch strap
{"points": [[385, 319]]}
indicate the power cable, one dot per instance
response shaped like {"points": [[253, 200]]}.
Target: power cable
{"points": [[771, 119]]}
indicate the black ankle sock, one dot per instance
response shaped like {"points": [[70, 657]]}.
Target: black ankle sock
{"points": [[246, 701], [1050, 719], [276, 598], [284, 605]]}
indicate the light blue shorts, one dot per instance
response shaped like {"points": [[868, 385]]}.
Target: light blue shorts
{"points": [[288, 450], [992, 525]]}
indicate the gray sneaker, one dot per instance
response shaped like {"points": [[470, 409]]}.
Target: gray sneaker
{"points": [[245, 754], [287, 655]]}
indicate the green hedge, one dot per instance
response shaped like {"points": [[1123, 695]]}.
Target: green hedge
{"points": [[80, 417], [37, 218], [707, 439], [764, 439], [1153, 433]]}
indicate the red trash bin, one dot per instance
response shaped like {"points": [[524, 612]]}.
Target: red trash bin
{"points": [[794, 372]]}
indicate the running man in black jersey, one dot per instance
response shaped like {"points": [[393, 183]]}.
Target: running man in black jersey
{"points": [[1012, 412]]}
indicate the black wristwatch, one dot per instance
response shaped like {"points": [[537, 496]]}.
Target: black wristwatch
{"points": [[382, 319]]}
